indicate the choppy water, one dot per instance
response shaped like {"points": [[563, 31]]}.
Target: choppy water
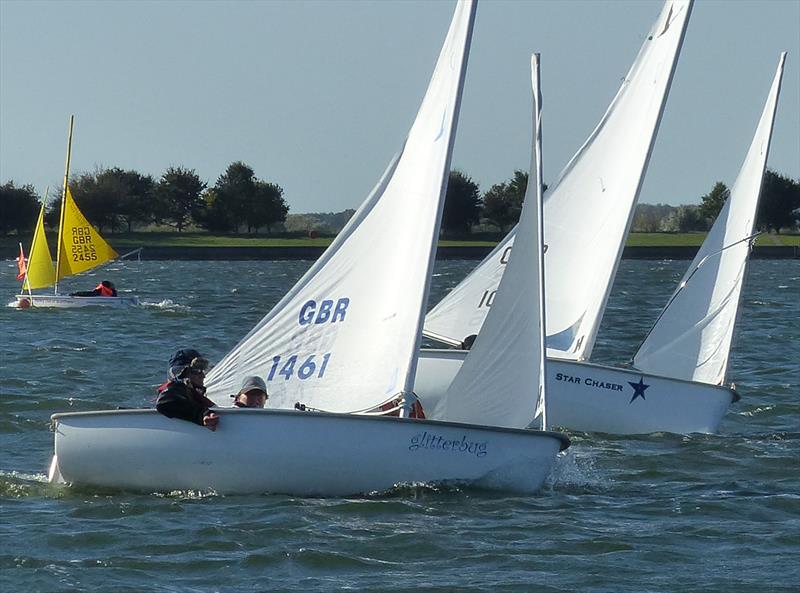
{"points": [[621, 514]]}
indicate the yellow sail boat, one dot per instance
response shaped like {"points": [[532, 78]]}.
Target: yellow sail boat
{"points": [[80, 248]]}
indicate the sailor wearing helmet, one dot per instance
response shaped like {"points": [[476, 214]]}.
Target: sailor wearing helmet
{"points": [[183, 396]]}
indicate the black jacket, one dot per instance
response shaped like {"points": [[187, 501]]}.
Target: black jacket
{"points": [[181, 399]]}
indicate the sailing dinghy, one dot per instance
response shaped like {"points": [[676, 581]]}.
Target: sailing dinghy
{"points": [[587, 215], [344, 339], [678, 383], [80, 248]]}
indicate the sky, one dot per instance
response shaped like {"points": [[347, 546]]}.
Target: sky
{"points": [[318, 96]]}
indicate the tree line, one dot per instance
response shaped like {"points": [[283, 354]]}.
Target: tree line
{"points": [[778, 209], [116, 199]]}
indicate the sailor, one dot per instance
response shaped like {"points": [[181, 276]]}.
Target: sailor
{"points": [[253, 393], [184, 395], [106, 289]]}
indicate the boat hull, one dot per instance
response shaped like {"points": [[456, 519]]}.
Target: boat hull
{"points": [[594, 398], [51, 301], [297, 453]]}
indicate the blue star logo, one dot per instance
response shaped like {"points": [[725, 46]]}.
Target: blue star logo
{"points": [[638, 389]]}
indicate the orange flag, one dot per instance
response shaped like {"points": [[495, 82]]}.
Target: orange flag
{"points": [[21, 265]]}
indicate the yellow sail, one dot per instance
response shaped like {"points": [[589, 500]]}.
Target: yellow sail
{"points": [[81, 247], [41, 272]]}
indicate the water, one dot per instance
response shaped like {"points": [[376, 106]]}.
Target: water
{"points": [[624, 514]]}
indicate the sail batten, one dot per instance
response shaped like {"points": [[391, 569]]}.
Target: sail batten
{"points": [[692, 337], [345, 337], [588, 210]]}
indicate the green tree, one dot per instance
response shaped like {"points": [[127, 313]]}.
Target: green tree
{"points": [[179, 198], [19, 207], [502, 204], [779, 207], [99, 196], [684, 219], [136, 203], [713, 201], [462, 204], [234, 193], [267, 206]]}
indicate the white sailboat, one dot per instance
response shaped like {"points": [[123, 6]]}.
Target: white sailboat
{"points": [[80, 248], [587, 215], [345, 339], [678, 383]]}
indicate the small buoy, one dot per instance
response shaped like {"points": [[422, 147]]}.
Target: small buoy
{"points": [[23, 303]]}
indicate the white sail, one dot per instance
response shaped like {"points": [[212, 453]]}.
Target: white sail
{"points": [[345, 337], [587, 211], [497, 384], [692, 338]]}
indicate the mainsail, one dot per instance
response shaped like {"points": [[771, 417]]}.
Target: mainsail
{"points": [[80, 246], [501, 360], [692, 338], [41, 272], [587, 211], [346, 335]]}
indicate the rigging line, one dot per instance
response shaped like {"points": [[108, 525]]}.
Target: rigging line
{"points": [[750, 239]]}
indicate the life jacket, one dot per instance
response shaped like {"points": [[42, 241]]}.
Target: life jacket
{"points": [[104, 290], [195, 392], [393, 408]]}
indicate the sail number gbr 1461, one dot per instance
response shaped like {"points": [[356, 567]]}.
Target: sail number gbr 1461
{"points": [[292, 365], [311, 313]]}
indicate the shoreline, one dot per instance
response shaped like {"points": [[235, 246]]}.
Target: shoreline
{"points": [[443, 253]]}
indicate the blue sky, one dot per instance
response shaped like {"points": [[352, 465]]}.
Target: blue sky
{"points": [[318, 96]]}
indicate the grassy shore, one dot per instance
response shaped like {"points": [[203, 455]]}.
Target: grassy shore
{"points": [[128, 241]]}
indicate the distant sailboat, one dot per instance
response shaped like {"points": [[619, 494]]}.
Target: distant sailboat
{"points": [[80, 248], [344, 339]]}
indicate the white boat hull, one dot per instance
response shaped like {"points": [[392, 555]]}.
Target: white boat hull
{"points": [[25, 301], [297, 453], [594, 398]]}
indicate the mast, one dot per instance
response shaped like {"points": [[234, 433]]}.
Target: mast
{"points": [[536, 155], [63, 202], [408, 396]]}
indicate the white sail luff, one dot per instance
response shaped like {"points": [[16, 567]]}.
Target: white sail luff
{"points": [[593, 327], [408, 386], [536, 176], [498, 383], [588, 210], [692, 337], [345, 337]]}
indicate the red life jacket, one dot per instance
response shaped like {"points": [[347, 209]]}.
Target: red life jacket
{"points": [[104, 290], [394, 406]]}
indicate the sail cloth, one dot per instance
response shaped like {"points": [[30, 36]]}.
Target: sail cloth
{"points": [[41, 272], [497, 383], [587, 211], [346, 335], [80, 246], [692, 338]]}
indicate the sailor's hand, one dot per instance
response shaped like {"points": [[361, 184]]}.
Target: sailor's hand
{"points": [[210, 420]]}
